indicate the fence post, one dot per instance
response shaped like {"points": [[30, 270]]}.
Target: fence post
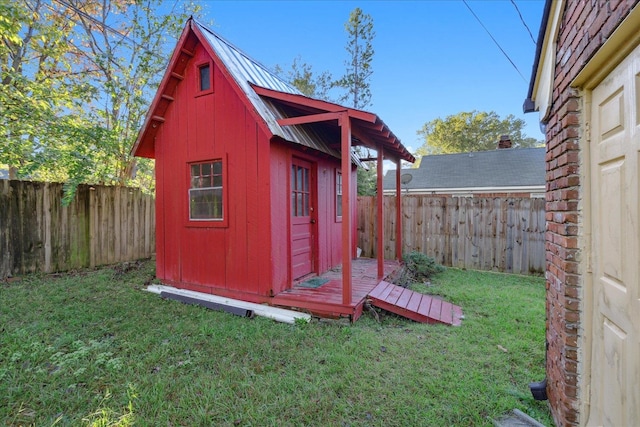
{"points": [[481, 233]]}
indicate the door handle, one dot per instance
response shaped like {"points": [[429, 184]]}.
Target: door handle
{"points": [[313, 221]]}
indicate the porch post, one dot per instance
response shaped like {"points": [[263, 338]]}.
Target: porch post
{"points": [[345, 136], [380, 203], [398, 210]]}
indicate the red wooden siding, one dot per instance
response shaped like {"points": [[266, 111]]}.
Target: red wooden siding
{"points": [[248, 254], [197, 127], [328, 246], [279, 191]]}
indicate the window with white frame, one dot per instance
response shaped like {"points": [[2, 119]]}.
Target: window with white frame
{"points": [[205, 191]]}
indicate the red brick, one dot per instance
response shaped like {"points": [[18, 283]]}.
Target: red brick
{"points": [[585, 25]]}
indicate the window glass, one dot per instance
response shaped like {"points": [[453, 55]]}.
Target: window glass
{"points": [[205, 77], [205, 194], [217, 168], [293, 203], [206, 169], [306, 180], [299, 180], [300, 191]]}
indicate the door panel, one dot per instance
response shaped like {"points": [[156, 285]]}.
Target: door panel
{"points": [[302, 218], [615, 250]]}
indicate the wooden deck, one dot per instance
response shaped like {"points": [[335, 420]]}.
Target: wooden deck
{"points": [[415, 306], [326, 300]]}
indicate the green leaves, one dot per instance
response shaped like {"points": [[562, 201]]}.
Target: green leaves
{"points": [[355, 81], [302, 77], [471, 131], [77, 78]]}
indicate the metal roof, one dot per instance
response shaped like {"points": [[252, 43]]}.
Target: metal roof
{"points": [[247, 72], [267, 93], [502, 168]]}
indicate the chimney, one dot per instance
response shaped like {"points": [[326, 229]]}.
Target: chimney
{"points": [[505, 142]]}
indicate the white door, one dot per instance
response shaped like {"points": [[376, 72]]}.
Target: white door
{"points": [[614, 398]]}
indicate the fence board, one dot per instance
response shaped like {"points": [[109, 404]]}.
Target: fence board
{"points": [[476, 233], [102, 225]]}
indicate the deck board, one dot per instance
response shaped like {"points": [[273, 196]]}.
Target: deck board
{"points": [[404, 299], [415, 306], [434, 311], [425, 305], [414, 302], [326, 300], [395, 293], [446, 312]]}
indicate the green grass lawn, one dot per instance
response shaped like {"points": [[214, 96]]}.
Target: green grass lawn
{"points": [[92, 346]]}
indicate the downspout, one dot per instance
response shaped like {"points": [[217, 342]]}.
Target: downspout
{"points": [[539, 389]]}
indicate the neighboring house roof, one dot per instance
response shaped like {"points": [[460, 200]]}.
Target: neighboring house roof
{"points": [[493, 170], [271, 98]]}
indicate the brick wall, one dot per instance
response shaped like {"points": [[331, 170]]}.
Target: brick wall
{"points": [[585, 25]]}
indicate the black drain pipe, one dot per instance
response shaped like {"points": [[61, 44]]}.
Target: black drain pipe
{"points": [[539, 389]]}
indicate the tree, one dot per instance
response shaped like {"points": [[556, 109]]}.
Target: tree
{"points": [[36, 93], [472, 131], [302, 77], [121, 42], [359, 28], [76, 80], [355, 82]]}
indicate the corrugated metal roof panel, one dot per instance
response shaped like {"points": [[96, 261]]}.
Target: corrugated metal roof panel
{"points": [[245, 71]]}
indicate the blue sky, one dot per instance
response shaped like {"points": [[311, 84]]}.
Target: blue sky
{"points": [[432, 58]]}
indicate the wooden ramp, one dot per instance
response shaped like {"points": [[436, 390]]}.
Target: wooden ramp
{"points": [[415, 306]]}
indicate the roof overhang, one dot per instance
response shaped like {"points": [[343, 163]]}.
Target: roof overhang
{"points": [[367, 129], [174, 74], [539, 97]]}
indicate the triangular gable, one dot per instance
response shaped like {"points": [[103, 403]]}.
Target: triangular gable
{"points": [[258, 88], [192, 34]]}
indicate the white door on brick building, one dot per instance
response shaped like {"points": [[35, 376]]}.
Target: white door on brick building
{"points": [[613, 361]]}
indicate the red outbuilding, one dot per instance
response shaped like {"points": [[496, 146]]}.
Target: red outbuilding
{"points": [[256, 183]]}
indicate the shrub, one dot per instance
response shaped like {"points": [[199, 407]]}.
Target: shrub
{"points": [[421, 266]]}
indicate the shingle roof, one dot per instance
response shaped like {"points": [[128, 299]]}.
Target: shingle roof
{"points": [[512, 167]]}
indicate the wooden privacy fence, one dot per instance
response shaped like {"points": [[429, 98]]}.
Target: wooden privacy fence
{"points": [[477, 233], [102, 225]]}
